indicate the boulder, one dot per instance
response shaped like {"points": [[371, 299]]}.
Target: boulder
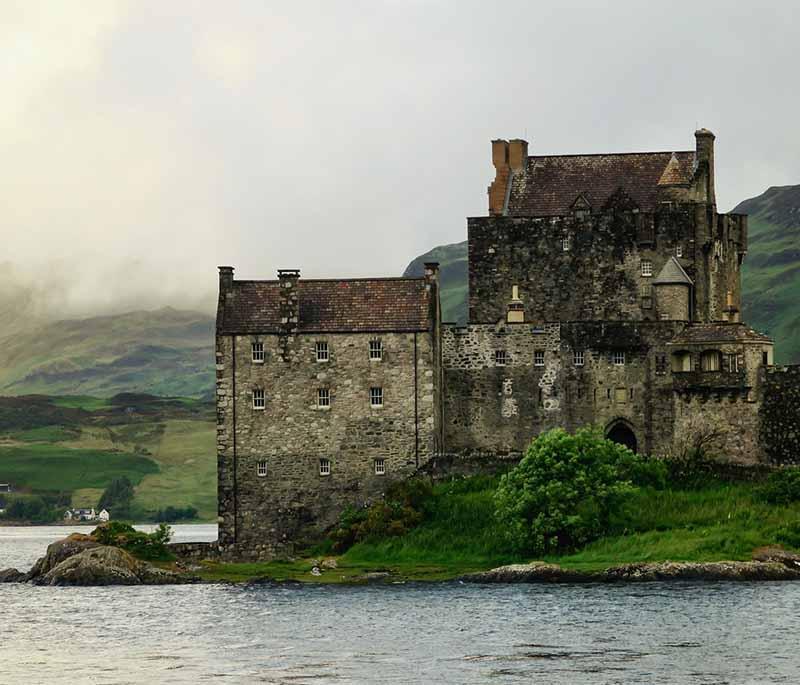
{"points": [[102, 565], [778, 555], [11, 575], [61, 550], [533, 572]]}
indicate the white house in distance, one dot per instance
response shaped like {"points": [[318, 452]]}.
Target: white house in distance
{"points": [[86, 515]]}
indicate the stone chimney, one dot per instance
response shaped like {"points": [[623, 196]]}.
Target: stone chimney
{"points": [[497, 191], [704, 153], [516, 310], [289, 299], [517, 154], [225, 279]]}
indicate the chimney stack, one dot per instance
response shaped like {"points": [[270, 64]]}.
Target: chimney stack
{"points": [[289, 299], [497, 191], [704, 153], [225, 279], [517, 154]]}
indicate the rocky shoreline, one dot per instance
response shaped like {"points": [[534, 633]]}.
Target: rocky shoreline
{"points": [[769, 563]]}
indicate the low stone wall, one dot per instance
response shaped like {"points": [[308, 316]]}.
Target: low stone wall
{"points": [[195, 550], [779, 432], [446, 465]]}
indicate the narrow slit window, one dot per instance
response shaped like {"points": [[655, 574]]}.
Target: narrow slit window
{"points": [[323, 354], [259, 399], [258, 352], [324, 467], [261, 468], [566, 243], [380, 467], [679, 250], [376, 397], [375, 350]]}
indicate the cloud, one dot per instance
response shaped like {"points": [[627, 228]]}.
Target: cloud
{"points": [[146, 142]]}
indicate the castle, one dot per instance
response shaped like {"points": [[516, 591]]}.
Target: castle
{"points": [[603, 289]]}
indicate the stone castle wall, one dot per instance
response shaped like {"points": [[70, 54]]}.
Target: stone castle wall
{"points": [[779, 430], [291, 434]]}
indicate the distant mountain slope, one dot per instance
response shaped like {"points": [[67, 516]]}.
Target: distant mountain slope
{"points": [[163, 352], [453, 273], [771, 270]]}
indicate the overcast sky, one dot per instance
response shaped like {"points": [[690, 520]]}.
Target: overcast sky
{"points": [[144, 143]]}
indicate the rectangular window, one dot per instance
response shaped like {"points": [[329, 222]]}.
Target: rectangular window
{"points": [[323, 397], [261, 468], [259, 400], [565, 243], [322, 351], [647, 267], [661, 364], [258, 352], [538, 358], [380, 467], [375, 349], [618, 358], [665, 316], [324, 467], [679, 250], [646, 293], [577, 357], [376, 397], [500, 358]]}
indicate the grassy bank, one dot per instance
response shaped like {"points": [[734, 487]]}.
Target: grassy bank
{"points": [[459, 534]]}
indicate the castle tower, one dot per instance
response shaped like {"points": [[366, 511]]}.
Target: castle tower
{"points": [[673, 289]]}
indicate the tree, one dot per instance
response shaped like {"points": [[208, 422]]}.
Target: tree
{"points": [[562, 493], [117, 497]]}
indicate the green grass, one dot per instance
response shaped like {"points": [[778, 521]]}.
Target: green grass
{"points": [[54, 468], [81, 402], [43, 434]]}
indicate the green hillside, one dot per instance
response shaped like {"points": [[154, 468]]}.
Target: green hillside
{"points": [[771, 271], [163, 352], [453, 273]]}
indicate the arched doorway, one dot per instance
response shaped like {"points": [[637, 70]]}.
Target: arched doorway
{"points": [[620, 432]]}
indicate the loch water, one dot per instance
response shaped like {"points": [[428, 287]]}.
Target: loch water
{"points": [[410, 633]]}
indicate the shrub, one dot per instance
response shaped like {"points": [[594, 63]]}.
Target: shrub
{"points": [[117, 497], [152, 546], [171, 514], [692, 470], [401, 510], [782, 487], [562, 493]]}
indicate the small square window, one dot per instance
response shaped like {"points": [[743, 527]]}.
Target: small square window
{"points": [[538, 358], [647, 267], [324, 467], [375, 350], [323, 397], [323, 354], [679, 250], [500, 358], [376, 397], [380, 467], [566, 243], [258, 352], [577, 357], [261, 468], [665, 316], [259, 399], [618, 358]]}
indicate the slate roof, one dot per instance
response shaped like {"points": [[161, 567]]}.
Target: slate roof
{"points": [[719, 332], [672, 273], [328, 306], [549, 185]]}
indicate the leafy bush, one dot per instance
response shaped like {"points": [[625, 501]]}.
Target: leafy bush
{"points": [[151, 546], [32, 509], [401, 510], [171, 514], [563, 492], [782, 487], [692, 470]]}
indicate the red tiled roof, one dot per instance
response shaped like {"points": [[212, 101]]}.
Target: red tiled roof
{"points": [[369, 304], [548, 186]]}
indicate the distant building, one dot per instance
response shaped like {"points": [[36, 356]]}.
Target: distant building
{"points": [[103, 515], [81, 515], [6, 487]]}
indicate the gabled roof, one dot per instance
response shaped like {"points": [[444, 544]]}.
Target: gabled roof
{"points": [[718, 332], [672, 273], [549, 185], [351, 305]]}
